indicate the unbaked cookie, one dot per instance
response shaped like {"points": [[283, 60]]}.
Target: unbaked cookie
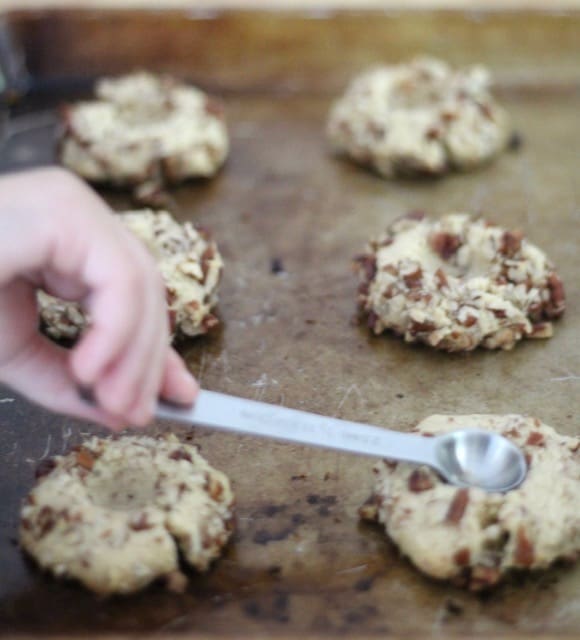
{"points": [[475, 538], [116, 514], [420, 118], [144, 127], [189, 262], [458, 283]]}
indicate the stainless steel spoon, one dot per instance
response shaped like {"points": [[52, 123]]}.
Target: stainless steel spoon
{"points": [[466, 458]]}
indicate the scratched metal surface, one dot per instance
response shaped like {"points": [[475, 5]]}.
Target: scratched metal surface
{"points": [[300, 562]]}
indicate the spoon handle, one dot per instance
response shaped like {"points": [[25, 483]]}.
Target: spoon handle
{"points": [[230, 413]]}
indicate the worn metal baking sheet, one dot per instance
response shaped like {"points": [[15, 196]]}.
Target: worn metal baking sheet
{"points": [[300, 563]]}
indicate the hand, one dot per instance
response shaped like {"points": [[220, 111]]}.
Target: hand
{"points": [[55, 233]]}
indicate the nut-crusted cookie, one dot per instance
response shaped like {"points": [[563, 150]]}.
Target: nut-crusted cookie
{"points": [[142, 127], [475, 538], [420, 118], [115, 514], [458, 283], [189, 262]]}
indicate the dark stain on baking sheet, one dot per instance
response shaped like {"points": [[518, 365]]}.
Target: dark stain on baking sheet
{"points": [[286, 337], [263, 536]]}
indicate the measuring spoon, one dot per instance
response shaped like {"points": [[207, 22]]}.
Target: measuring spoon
{"points": [[466, 458]]}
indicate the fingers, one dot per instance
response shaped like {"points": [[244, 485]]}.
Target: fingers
{"points": [[32, 365], [71, 244], [178, 385], [41, 370], [121, 355], [124, 353], [120, 278], [41, 373], [130, 385]]}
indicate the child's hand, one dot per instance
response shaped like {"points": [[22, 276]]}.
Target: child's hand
{"points": [[55, 233]]}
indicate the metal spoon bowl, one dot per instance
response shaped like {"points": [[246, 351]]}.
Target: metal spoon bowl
{"points": [[476, 458], [466, 458]]}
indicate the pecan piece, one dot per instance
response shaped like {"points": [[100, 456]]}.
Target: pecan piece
{"points": [[230, 523], [370, 509], [413, 280], [536, 439], [511, 243], [421, 327], [193, 305], [444, 244], [486, 110], [172, 319], [457, 506], [141, 523], [170, 295], [440, 278], [46, 521], [209, 322], [367, 264], [483, 577], [433, 133], [469, 321], [524, 553], [180, 454], [372, 320], [363, 290], [542, 330], [462, 557], [85, 459], [206, 257], [557, 303], [419, 481], [213, 486], [44, 468], [390, 268], [415, 214]]}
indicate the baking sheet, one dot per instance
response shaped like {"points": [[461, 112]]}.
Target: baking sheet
{"points": [[300, 562]]}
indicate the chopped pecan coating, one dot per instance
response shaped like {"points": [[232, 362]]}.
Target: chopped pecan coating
{"points": [[444, 245], [524, 554], [420, 480], [458, 506]]}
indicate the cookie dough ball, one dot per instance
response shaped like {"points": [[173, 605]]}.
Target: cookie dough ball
{"points": [[420, 118], [475, 538], [143, 127], [458, 283], [115, 514], [190, 264]]}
